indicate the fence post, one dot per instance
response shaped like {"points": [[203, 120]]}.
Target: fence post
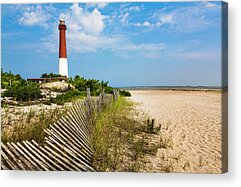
{"points": [[88, 102], [115, 94], [88, 92], [101, 97]]}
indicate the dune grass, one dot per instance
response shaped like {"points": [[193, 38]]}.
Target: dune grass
{"points": [[120, 142], [18, 126]]}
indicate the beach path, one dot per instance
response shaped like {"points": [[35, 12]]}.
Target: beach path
{"points": [[190, 127]]}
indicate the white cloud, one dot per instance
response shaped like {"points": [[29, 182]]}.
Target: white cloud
{"points": [[84, 30], [128, 50], [167, 18], [209, 5], [192, 51], [99, 5], [81, 42], [79, 19], [195, 18], [146, 24], [184, 19], [35, 15], [126, 8], [93, 22], [125, 12], [204, 55], [124, 18], [134, 8], [85, 34], [162, 19]]}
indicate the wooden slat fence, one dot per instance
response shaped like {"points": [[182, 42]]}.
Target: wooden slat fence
{"points": [[67, 145]]}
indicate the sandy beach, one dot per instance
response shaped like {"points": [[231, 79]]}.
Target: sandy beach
{"points": [[190, 125]]}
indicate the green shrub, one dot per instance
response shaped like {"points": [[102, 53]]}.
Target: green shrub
{"points": [[95, 85], [50, 75], [10, 79], [125, 93], [69, 96], [23, 92], [150, 126]]}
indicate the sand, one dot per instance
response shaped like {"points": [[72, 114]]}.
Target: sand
{"points": [[12, 115], [190, 129]]}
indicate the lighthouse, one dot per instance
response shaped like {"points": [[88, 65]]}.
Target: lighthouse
{"points": [[63, 63]]}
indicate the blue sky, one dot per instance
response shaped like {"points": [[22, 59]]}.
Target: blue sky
{"points": [[127, 44]]}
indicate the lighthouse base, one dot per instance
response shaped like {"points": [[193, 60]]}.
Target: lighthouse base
{"points": [[63, 67]]}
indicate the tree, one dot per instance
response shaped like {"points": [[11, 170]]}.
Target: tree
{"points": [[25, 92], [9, 79], [50, 75]]}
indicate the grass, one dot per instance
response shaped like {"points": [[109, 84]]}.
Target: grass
{"points": [[120, 143], [69, 96], [18, 126]]}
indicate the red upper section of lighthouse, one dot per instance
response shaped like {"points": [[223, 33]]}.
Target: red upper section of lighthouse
{"points": [[62, 39]]}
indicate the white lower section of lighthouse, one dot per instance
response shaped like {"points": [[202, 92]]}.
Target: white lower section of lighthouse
{"points": [[63, 67]]}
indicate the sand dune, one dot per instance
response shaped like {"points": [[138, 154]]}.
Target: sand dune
{"points": [[190, 126]]}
